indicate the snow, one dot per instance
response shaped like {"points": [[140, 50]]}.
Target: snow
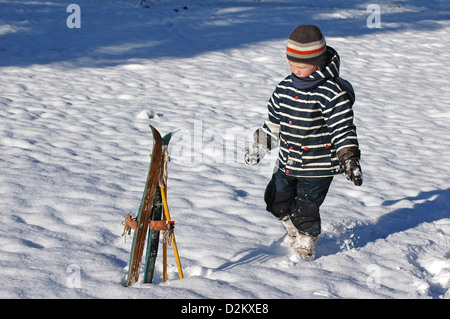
{"points": [[75, 145]]}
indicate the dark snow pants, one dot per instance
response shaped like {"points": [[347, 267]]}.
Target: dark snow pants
{"points": [[298, 198]]}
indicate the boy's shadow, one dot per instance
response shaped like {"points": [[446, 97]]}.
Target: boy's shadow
{"points": [[430, 206]]}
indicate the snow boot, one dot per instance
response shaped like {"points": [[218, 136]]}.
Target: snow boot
{"points": [[290, 228], [305, 246]]}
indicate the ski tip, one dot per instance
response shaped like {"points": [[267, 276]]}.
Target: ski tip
{"points": [[166, 138], [156, 134], [153, 129]]}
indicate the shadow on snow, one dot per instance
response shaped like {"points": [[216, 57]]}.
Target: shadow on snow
{"points": [[430, 206], [35, 32]]}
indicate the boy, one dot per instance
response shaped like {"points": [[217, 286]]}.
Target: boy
{"points": [[310, 117]]}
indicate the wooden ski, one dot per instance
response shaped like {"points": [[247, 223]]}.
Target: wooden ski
{"points": [[145, 208]]}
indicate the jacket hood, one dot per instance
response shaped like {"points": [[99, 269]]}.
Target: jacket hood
{"points": [[330, 72]]}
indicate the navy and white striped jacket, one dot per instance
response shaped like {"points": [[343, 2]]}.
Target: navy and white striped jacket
{"points": [[312, 123]]}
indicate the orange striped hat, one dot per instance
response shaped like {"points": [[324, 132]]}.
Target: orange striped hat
{"points": [[307, 44]]}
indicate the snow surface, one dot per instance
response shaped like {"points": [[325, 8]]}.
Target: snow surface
{"points": [[75, 144]]}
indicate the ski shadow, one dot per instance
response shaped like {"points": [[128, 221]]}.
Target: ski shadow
{"points": [[429, 207]]}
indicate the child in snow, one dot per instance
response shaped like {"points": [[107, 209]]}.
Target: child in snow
{"points": [[310, 117]]}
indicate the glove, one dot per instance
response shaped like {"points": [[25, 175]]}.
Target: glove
{"points": [[263, 144], [254, 154], [349, 159], [352, 171]]}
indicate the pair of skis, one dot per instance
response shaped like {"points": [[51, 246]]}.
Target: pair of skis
{"points": [[153, 216]]}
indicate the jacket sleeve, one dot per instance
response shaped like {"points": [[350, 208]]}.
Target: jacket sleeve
{"points": [[272, 124], [338, 115]]}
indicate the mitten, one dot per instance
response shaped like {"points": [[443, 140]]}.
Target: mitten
{"points": [[349, 159], [263, 144], [352, 171], [254, 154]]}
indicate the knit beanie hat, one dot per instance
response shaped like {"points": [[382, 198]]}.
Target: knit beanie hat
{"points": [[307, 44]]}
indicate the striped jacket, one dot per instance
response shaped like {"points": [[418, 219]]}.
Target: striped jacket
{"points": [[312, 123]]}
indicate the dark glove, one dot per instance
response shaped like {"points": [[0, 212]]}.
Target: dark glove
{"points": [[349, 159], [353, 172]]}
